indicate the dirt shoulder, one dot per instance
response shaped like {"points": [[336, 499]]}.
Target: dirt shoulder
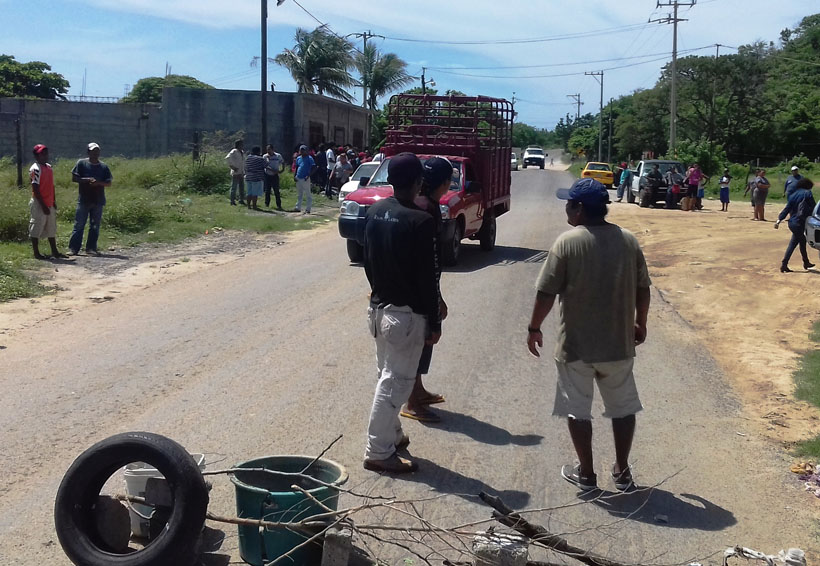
{"points": [[720, 271]]}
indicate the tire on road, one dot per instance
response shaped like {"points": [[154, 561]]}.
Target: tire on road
{"points": [[643, 199], [355, 251], [451, 250], [541, 166], [630, 196], [78, 492], [523, 166], [486, 235]]}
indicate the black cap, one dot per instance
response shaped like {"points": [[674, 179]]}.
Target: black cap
{"points": [[437, 170], [403, 170]]}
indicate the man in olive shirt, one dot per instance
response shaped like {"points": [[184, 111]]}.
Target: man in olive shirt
{"points": [[599, 272]]}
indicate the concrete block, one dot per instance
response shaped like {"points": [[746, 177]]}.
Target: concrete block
{"points": [[497, 549], [337, 547]]}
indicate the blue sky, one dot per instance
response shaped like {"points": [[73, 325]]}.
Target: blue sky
{"points": [[117, 43]]}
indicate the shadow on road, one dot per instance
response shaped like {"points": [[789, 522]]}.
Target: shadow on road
{"points": [[211, 542], [444, 480], [663, 508], [482, 431], [473, 258]]}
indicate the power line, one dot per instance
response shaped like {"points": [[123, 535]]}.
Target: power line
{"points": [[589, 33], [326, 26]]}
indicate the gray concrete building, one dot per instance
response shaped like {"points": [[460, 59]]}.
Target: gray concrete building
{"points": [[175, 125]]}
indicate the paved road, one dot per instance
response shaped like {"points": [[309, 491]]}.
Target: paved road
{"points": [[269, 355]]}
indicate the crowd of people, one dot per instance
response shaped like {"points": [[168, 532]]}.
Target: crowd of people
{"points": [[321, 169]]}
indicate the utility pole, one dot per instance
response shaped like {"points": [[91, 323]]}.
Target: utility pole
{"points": [[512, 125], [673, 105], [263, 88], [714, 92], [425, 82], [609, 144], [578, 103], [365, 35], [597, 74]]}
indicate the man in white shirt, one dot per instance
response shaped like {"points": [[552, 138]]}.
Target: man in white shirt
{"points": [[331, 162], [236, 161], [274, 165]]}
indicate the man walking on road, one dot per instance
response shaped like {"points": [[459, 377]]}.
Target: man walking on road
{"points": [[599, 272], [92, 176], [400, 263]]}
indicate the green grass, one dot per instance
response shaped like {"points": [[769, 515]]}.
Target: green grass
{"points": [[165, 199], [807, 378]]}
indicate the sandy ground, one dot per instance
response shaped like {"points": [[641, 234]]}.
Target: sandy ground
{"points": [[720, 271]]}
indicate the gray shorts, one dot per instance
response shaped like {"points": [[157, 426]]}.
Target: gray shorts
{"points": [[615, 381], [41, 225]]}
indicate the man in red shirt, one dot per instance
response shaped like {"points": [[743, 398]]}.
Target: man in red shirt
{"points": [[43, 206]]}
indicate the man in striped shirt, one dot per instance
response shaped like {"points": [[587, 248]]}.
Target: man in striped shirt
{"points": [[254, 176]]}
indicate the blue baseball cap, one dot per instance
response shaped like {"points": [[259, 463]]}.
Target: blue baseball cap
{"points": [[586, 191]]}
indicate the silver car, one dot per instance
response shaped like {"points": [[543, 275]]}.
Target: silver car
{"points": [[813, 228], [514, 162]]}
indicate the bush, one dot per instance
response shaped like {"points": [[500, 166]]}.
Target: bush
{"points": [[14, 215], [711, 158], [129, 216], [206, 178]]}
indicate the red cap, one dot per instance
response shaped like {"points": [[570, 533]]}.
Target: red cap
{"points": [[39, 148]]}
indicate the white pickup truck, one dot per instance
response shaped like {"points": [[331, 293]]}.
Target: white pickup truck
{"points": [[640, 190]]}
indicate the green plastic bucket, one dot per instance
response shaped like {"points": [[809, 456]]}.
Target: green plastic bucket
{"points": [[260, 495]]}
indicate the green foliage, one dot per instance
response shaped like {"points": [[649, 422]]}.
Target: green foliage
{"points": [[807, 379], [583, 141], [14, 284], [525, 135], [14, 215], [129, 215], [30, 80], [319, 62], [149, 89], [206, 178], [711, 158]]}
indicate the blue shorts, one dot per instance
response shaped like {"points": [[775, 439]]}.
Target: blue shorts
{"points": [[701, 192], [724, 194]]}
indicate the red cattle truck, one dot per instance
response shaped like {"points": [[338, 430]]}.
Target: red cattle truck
{"points": [[475, 134]]}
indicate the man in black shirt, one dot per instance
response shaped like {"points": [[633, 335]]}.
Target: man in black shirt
{"points": [[400, 263]]}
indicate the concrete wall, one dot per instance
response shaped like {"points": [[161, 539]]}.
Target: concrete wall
{"points": [[144, 130]]}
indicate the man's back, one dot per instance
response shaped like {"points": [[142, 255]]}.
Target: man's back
{"points": [[595, 270]]}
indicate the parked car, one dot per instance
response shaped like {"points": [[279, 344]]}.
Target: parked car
{"points": [[641, 192], [600, 172], [477, 148], [533, 156], [360, 178], [513, 162], [813, 228]]}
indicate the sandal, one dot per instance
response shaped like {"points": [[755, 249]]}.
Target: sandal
{"points": [[422, 415], [432, 399]]}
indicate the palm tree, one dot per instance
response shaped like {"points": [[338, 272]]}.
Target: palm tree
{"points": [[381, 73], [319, 63]]}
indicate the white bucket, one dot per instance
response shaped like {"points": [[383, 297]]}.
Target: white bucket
{"points": [[136, 478]]}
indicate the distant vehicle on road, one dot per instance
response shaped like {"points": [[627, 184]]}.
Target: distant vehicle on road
{"points": [[813, 228], [514, 162], [641, 192], [360, 178], [533, 156], [478, 144], [600, 172]]}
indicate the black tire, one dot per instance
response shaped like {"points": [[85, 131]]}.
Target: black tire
{"points": [[630, 196], [541, 166], [523, 166], [81, 485], [486, 236], [355, 251], [643, 200], [451, 250]]}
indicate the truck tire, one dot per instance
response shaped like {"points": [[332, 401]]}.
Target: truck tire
{"points": [[355, 251], [523, 166], [630, 196], [541, 166], [643, 199], [486, 236], [451, 250], [74, 507]]}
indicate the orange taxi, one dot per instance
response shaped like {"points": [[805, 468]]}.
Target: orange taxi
{"points": [[600, 172]]}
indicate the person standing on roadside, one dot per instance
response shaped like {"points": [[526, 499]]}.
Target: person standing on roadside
{"points": [[255, 176], [692, 182], [305, 167], [791, 181], [654, 179], [330, 156], [798, 208], [92, 176], [598, 271], [760, 191], [436, 179], [724, 182], [320, 158], [341, 171], [625, 182], [400, 264], [43, 204], [674, 180], [236, 161], [274, 166]]}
